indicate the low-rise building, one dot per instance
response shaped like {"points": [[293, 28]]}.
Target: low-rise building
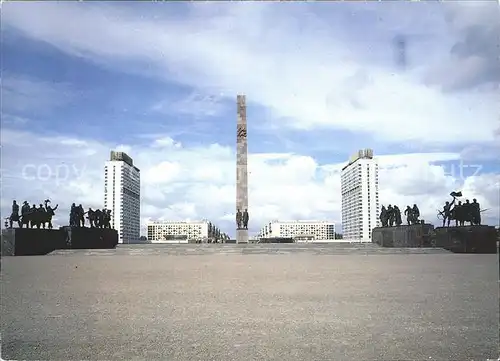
{"points": [[183, 232], [299, 230]]}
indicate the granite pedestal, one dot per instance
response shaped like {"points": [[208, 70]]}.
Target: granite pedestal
{"points": [[466, 239], [417, 235], [90, 238], [31, 241], [242, 236]]}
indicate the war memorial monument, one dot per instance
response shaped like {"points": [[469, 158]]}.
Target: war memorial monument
{"points": [[458, 238], [242, 216], [404, 296], [35, 235]]}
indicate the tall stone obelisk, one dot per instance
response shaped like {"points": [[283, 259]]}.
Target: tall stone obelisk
{"points": [[241, 166]]}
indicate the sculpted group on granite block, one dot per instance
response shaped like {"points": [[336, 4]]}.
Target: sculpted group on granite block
{"points": [[391, 216], [461, 212], [31, 216], [460, 238], [39, 237]]}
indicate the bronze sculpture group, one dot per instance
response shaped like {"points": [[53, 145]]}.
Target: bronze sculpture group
{"points": [[460, 212], [31, 216], [242, 219], [391, 216], [97, 218], [41, 216]]}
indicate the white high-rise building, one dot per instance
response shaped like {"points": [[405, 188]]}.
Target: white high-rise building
{"points": [[122, 195], [183, 231], [360, 203], [299, 230]]}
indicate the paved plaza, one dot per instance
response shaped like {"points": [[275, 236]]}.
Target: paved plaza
{"points": [[250, 302]]}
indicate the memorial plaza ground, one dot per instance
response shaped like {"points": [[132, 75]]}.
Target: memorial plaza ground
{"points": [[250, 302]]}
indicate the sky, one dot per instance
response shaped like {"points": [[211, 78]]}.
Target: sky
{"points": [[416, 82]]}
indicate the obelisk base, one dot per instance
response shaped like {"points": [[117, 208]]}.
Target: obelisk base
{"points": [[242, 236]]}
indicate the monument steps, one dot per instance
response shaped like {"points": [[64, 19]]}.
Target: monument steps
{"points": [[250, 250]]}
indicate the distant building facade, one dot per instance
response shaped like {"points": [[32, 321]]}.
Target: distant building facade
{"points": [[299, 230], [122, 195], [183, 231], [360, 196]]}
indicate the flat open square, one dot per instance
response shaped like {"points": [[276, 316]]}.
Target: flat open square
{"points": [[223, 306]]}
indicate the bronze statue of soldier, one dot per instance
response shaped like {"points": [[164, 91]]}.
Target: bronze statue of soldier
{"points": [[476, 212], [415, 213], [448, 212], [14, 215], [458, 214], [25, 214], [107, 218], [409, 215], [91, 217], [72, 215], [383, 216], [390, 215], [245, 219], [80, 216], [397, 216], [49, 213], [468, 212], [239, 219]]}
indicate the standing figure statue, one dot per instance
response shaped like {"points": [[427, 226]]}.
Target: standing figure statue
{"points": [[72, 215], [458, 214], [397, 216], [245, 219], [467, 207], [99, 218], [91, 217], [415, 213], [49, 213], [107, 218], [14, 216], [80, 216], [239, 219], [476, 212], [25, 214], [409, 215], [448, 212], [383, 217], [390, 215], [40, 216], [32, 215]]}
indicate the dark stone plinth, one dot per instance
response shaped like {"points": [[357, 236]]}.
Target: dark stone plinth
{"points": [[466, 239], [31, 241], [416, 235], [89, 238]]}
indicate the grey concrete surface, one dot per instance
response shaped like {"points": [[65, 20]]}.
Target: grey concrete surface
{"points": [[240, 303]]}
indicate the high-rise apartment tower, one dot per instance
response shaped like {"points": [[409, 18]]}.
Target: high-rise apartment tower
{"points": [[360, 203], [122, 195]]}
